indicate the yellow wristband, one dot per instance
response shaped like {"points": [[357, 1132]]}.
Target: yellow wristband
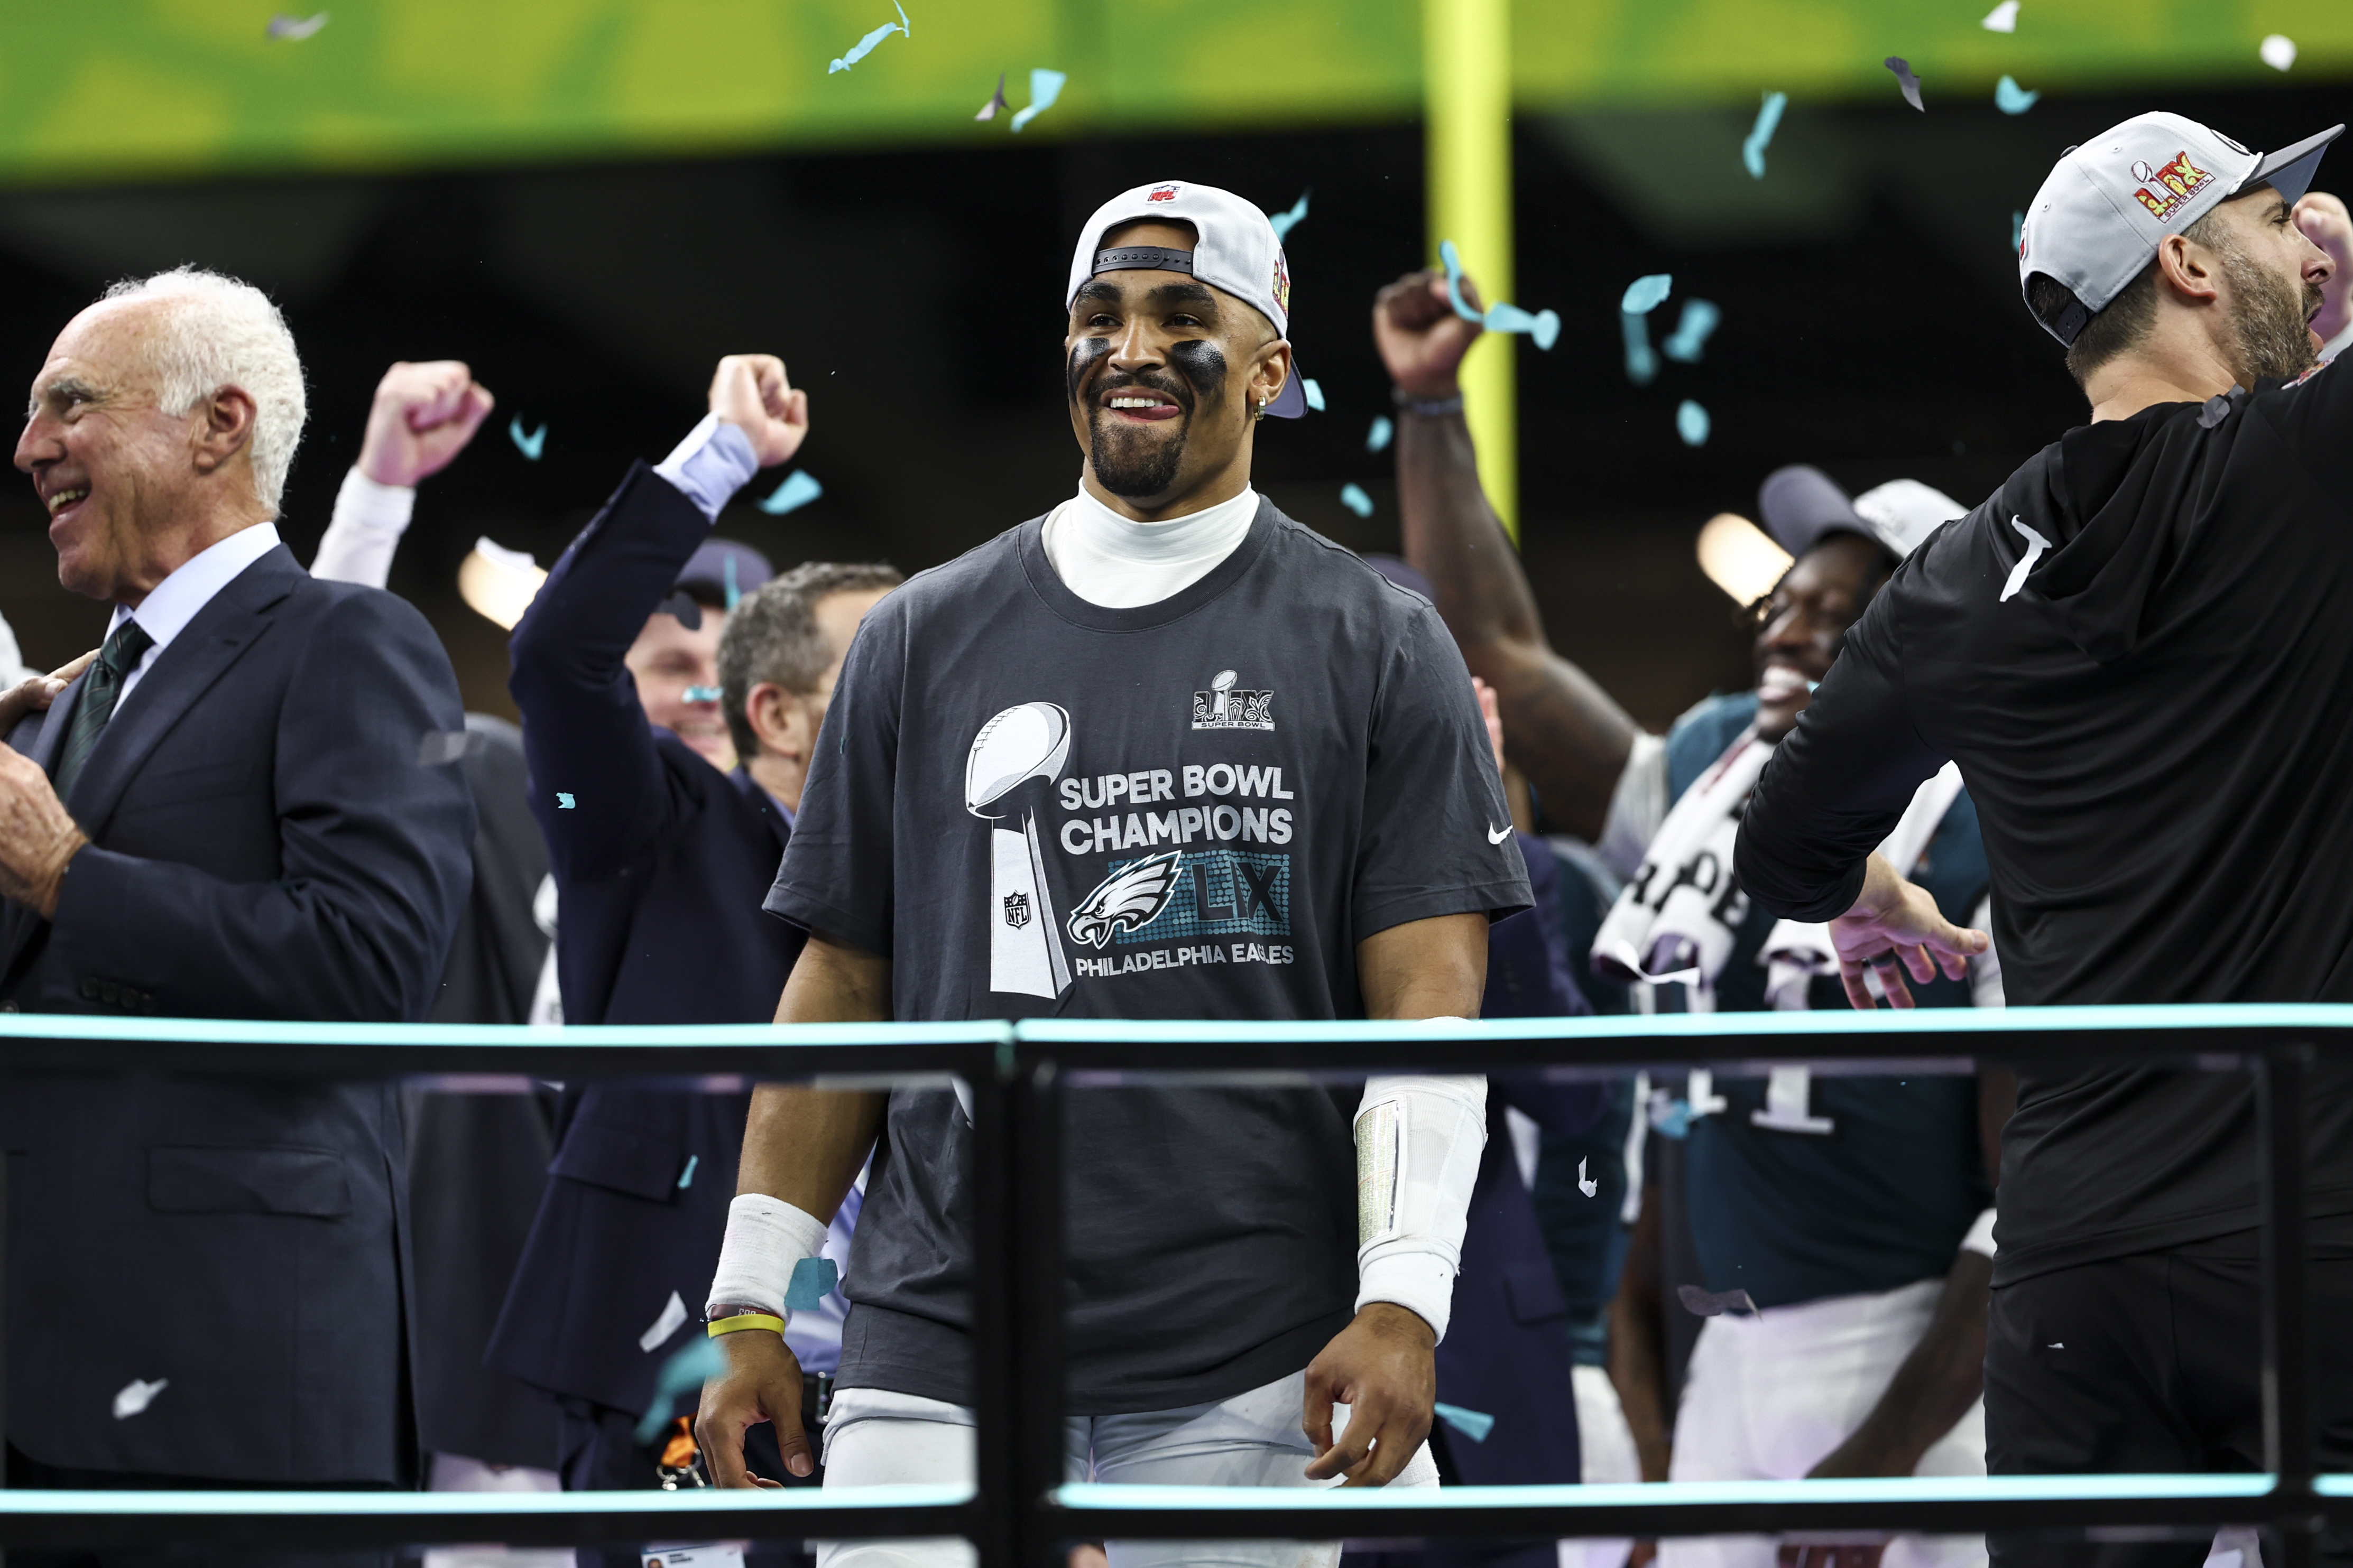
{"points": [[743, 1321]]}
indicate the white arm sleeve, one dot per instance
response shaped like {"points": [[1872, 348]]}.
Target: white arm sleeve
{"points": [[1418, 1140], [365, 531], [1638, 807], [766, 1240]]}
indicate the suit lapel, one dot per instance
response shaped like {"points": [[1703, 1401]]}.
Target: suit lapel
{"points": [[203, 652]]}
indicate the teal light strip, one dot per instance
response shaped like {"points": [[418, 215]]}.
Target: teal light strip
{"points": [[460, 1505], [1709, 1025], [1474, 1500], [1927, 1021], [682, 1036]]}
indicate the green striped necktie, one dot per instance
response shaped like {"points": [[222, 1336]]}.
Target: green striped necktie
{"points": [[124, 649]]}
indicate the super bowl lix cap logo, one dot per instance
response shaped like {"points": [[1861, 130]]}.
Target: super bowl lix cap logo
{"points": [[2162, 190], [1224, 707]]}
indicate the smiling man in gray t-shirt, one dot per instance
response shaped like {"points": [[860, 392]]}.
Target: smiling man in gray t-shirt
{"points": [[1162, 753]]}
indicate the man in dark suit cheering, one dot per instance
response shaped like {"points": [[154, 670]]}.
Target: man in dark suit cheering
{"points": [[237, 811]]}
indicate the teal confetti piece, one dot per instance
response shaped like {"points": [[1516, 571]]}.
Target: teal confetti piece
{"points": [[2017, 233], [800, 488], [1769, 119], [1284, 221], [734, 594], [2012, 99], [1699, 319], [866, 46], [1641, 359], [1544, 327], [1353, 498], [1474, 1425], [1692, 423], [529, 446], [813, 1281], [563, 801], [681, 1373], [1647, 293], [686, 1179], [1045, 87], [1313, 392], [1376, 439], [702, 694], [1454, 282]]}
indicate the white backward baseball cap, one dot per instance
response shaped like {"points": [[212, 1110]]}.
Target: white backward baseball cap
{"points": [[1235, 248], [2100, 215]]}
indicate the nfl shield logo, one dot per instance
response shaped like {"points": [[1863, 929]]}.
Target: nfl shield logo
{"points": [[1017, 909]]}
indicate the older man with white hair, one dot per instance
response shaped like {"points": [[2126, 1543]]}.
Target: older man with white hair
{"points": [[244, 808]]}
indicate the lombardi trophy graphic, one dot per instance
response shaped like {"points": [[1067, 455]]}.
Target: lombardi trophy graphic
{"points": [[1018, 746]]}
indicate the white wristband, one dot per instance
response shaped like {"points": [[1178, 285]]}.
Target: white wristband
{"points": [[766, 1240], [1418, 1142]]}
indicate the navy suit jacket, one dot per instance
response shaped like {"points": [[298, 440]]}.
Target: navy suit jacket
{"points": [[660, 865], [265, 843]]}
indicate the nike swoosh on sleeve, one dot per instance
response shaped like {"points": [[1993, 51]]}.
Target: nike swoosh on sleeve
{"points": [[1495, 838]]}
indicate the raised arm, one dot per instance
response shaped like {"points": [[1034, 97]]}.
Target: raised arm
{"points": [[423, 416], [1559, 726], [585, 733]]}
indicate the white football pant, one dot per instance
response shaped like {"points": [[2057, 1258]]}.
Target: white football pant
{"points": [[878, 1439]]}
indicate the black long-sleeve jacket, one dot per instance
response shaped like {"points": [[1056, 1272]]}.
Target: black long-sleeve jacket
{"points": [[2140, 650]]}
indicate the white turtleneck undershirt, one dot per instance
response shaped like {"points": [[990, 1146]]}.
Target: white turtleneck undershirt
{"points": [[1121, 564]]}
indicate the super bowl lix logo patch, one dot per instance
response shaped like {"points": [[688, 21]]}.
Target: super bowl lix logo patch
{"points": [[1226, 707]]}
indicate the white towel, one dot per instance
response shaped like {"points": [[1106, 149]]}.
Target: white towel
{"points": [[1676, 920], [1797, 951]]}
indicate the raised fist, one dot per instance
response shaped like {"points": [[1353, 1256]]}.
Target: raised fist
{"points": [[749, 392], [422, 418], [1421, 337], [2324, 221]]}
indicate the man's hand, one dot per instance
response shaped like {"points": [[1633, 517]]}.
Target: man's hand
{"points": [[35, 693], [38, 837], [1422, 337], [422, 418], [1384, 1367], [749, 392], [762, 1383], [1893, 927], [2327, 224]]}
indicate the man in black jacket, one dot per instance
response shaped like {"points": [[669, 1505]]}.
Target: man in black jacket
{"points": [[660, 861], [2135, 651], [229, 814]]}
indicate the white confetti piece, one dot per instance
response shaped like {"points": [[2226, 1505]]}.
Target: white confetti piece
{"points": [[137, 1395], [672, 1318], [2278, 51], [2002, 18]]}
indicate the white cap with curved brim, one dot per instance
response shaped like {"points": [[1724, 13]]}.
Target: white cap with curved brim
{"points": [[2101, 212], [1235, 248]]}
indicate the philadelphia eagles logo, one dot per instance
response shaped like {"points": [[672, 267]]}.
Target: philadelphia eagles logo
{"points": [[1128, 899]]}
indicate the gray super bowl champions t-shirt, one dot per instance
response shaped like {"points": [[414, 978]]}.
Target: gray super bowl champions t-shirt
{"points": [[1039, 807]]}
